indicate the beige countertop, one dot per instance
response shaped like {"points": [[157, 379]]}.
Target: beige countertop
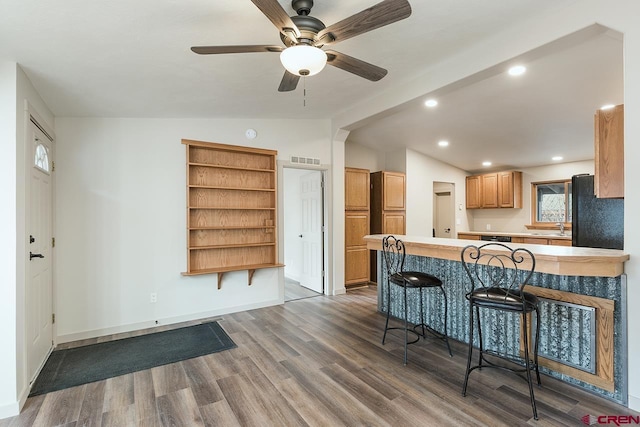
{"points": [[559, 260]]}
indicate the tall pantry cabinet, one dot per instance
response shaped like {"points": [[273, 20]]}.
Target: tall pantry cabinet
{"points": [[388, 206], [356, 226]]}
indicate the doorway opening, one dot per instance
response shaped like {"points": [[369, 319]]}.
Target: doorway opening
{"points": [[304, 233], [444, 210]]}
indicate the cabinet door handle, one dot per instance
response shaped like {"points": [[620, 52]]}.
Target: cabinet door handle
{"points": [[32, 255]]}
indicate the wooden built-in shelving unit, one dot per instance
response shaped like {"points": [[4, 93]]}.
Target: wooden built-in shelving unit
{"points": [[231, 209]]}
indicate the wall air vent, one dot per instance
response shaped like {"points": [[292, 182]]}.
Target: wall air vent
{"points": [[305, 160]]}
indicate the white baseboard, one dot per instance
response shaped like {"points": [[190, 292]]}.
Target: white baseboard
{"points": [[167, 321]]}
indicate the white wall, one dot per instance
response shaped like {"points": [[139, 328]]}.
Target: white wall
{"points": [[8, 381], [359, 156], [422, 171], [514, 220], [121, 220]]}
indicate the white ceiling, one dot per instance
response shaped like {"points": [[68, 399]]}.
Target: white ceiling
{"points": [[122, 58]]}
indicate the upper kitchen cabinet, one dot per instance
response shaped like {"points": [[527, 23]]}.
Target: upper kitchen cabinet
{"points": [[356, 187], [389, 187], [509, 189], [494, 190], [609, 153]]}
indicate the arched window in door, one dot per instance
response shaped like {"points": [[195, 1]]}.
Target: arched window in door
{"points": [[41, 160]]}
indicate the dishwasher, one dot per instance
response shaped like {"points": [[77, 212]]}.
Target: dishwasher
{"points": [[502, 239]]}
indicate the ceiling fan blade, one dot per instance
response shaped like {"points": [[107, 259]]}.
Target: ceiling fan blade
{"points": [[279, 17], [379, 15], [355, 66], [210, 50], [289, 82]]}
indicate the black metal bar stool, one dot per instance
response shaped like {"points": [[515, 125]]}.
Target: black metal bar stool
{"points": [[394, 254], [498, 275]]}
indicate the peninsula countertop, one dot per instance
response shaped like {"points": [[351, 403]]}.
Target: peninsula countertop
{"points": [[559, 260]]}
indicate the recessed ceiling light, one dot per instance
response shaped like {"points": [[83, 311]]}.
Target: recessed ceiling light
{"points": [[517, 70], [443, 143], [557, 158], [486, 163], [431, 103], [607, 107]]}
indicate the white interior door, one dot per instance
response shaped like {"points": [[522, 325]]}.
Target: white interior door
{"points": [[444, 215], [311, 232], [39, 298]]}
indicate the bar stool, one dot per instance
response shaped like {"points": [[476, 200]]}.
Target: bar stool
{"points": [[498, 275], [393, 251]]}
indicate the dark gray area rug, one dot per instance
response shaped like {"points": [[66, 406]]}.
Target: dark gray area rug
{"points": [[95, 362]]}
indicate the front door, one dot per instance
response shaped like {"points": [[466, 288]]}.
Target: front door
{"points": [[39, 305], [311, 233]]}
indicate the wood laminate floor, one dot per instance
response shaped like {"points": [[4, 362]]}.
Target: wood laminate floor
{"points": [[318, 362], [293, 290]]}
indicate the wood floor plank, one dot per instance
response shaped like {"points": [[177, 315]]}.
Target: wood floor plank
{"points": [[199, 378], [236, 389], [144, 395], [60, 407], [179, 408], [371, 398], [118, 392], [168, 378], [218, 414], [120, 416], [347, 408], [92, 404], [320, 362], [314, 412]]}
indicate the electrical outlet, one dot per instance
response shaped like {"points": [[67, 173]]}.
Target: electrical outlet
{"points": [[488, 227], [153, 298]]}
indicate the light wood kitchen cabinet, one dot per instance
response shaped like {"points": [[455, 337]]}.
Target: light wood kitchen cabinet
{"points": [[468, 236], [390, 188], [388, 201], [356, 189], [356, 252], [357, 224], [609, 153], [231, 209], [532, 240], [473, 192], [494, 190], [489, 185], [509, 189]]}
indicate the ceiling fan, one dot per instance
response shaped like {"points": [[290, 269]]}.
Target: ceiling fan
{"points": [[304, 36]]}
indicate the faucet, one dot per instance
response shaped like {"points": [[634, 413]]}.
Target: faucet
{"points": [[561, 225]]}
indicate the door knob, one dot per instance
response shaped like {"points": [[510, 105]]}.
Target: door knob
{"points": [[300, 236], [32, 255]]}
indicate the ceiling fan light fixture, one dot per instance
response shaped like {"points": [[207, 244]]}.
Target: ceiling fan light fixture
{"points": [[303, 60]]}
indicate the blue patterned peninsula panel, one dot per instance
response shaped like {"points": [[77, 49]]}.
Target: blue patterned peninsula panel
{"points": [[569, 332]]}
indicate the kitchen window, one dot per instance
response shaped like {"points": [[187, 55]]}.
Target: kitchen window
{"points": [[551, 204]]}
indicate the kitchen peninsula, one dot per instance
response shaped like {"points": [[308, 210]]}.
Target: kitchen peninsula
{"points": [[582, 295]]}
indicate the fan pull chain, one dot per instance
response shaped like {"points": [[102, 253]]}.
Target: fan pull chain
{"points": [[304, 91]]}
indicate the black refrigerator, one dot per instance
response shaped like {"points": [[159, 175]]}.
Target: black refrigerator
{"points": [[597, 223]]}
